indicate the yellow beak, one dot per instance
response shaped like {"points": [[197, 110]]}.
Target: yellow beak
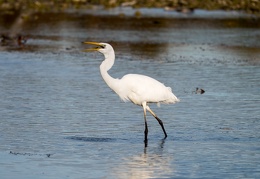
{"points": [[92, 49], [92, 43]]}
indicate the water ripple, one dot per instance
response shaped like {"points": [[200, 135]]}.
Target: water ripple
{"points": [[91, 139]]}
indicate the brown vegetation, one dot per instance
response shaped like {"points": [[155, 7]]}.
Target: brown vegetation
{"points": [[250, 6]]}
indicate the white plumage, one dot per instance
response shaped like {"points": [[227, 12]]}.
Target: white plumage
{"points": [[139, 89]]}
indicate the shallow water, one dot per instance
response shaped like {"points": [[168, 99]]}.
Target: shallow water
{"points": [[60, 120]]}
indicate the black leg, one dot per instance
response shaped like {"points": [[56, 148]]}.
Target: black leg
{"points": [[146, 134], [159, 120], [161, 123], [146, 126]]}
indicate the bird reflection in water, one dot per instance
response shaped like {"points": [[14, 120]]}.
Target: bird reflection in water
{"points": [[152, 163]]}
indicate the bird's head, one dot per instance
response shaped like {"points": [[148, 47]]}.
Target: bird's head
{"points": [[104, 48]]}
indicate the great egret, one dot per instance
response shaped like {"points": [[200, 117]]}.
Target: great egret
{"points": [[139, 89]]}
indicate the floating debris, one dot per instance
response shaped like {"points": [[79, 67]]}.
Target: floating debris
{"points": [[18, 40], [21, 40], [29, 154], [199, 91]]}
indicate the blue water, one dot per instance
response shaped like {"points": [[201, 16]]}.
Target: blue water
{"points": [[60, 120]]}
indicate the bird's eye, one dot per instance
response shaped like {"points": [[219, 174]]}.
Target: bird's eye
{"points": [[103, 46]]}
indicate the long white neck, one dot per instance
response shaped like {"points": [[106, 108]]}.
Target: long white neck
{"points": [[105, 66]]}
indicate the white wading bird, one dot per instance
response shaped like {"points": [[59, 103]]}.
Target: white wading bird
{"points": [[139, 89]]}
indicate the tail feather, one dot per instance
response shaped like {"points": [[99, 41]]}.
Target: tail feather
{"points": [[172, 98]]}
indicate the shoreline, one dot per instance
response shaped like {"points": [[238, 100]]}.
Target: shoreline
{"points": [[177, 6], [130, 12], [162, 13]]}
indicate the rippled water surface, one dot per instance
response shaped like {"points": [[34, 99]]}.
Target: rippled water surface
{"points": [[60, 120]]}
